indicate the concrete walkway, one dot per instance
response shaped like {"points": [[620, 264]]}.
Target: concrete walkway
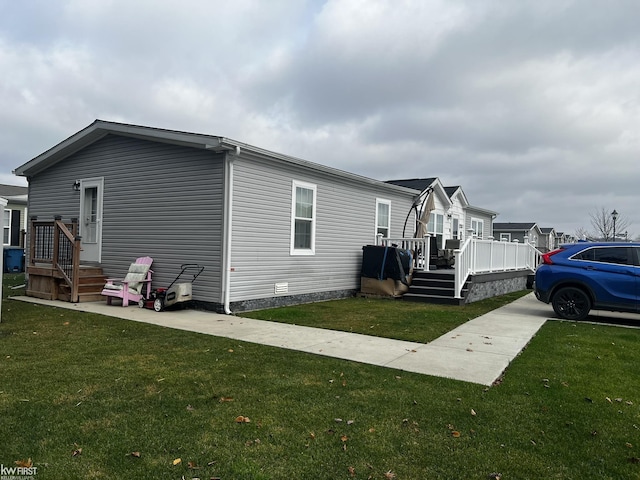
{"points": [[477, 351]]}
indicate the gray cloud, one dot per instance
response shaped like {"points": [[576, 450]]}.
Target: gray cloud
{"points": [[530, 106]]}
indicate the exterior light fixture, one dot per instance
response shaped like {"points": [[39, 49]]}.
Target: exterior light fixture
{"points": [[76, 185], [614, 215]]}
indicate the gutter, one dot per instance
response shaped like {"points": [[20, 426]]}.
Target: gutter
{"points": [[227, 229]]}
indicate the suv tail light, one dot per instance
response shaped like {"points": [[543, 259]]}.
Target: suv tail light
{"points": [[546, 257]]}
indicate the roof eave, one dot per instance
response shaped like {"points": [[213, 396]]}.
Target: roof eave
{"points": [[99, 129]]}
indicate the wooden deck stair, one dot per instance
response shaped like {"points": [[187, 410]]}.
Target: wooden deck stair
{"points": [[45, 282], [435, 286]]}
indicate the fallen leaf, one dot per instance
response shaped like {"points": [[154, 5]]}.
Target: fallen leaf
{"points": [[190, 408], [192, 465], [473, 412], [352, 472], [242, 419], [231, 350], [344, 438], [312, 435], [371, 430], [24, 463], [628, 445], [66, 323], [135, 454], [629, 402], [225, 399], [76, 452], [494, 476], [350, 422], [634, 460], [177, 461], [455, 434], [337, 420], [608, 399], [390, 475]]}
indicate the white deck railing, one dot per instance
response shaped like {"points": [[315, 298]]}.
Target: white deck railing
{"points": [[418, 246], [489, 256], [473, 257]]}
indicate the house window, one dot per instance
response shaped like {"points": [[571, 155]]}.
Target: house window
{"points": [[383, 217], [505, 237], [303, 219], [455, 229], [6, 232], [436, 227], [477, 226]]}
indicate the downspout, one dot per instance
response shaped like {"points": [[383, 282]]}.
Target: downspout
{"points": [[227, 229]]}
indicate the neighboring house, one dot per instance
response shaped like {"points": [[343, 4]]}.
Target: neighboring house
{"points": [[547, 239], [268, 228], [512, 231], [15, 215], [562, 238], [453, 216]]}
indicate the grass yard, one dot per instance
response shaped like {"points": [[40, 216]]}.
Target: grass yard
{"points": [[85, 396], [381, 317]]}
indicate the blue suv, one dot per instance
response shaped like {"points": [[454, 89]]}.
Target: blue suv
{"points": [[585, 275]]}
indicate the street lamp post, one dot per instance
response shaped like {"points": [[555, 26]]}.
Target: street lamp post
{"points": [[614, 215]]}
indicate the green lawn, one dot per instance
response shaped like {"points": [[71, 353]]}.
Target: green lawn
{"points": [[415, 322], [86, 396]]}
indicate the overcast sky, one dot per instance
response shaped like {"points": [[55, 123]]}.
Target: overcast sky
{"points": [[531, 106]]}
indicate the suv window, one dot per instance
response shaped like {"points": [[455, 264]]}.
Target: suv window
{"points": [[619, 255]]}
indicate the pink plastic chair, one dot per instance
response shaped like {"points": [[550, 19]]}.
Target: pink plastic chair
{"points": [[130, 288]]}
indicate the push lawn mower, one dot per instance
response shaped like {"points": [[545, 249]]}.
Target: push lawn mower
{"points": [[176, 292]]}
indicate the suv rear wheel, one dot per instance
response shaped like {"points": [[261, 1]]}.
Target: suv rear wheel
{"points": [[571, 303]]}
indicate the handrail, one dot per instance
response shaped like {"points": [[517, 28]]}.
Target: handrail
{"points": [[463, 266], [59, 244]]}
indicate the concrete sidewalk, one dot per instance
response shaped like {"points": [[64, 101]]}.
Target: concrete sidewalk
{"points": [[477, 351]]}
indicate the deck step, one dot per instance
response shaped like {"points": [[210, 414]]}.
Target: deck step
{"points": [[46, 282], [436, 287]]}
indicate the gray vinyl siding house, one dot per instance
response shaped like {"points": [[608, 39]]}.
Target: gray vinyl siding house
{"points": [[188, 198]]}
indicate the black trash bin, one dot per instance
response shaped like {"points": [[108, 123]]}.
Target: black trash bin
{"points": [[13, 259]]}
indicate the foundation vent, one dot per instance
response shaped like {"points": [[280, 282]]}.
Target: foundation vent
{"points": [[281, 288]]}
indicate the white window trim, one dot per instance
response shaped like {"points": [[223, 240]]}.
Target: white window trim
{"points": [[475, 230], [505, 237], [388, 227], [6, 228], [303, 251]]}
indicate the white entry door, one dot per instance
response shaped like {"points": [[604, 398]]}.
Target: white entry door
{"points": [[91, 219]]}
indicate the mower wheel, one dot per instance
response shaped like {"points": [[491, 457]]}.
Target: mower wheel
{"points": [[158, 304], [141, 303]]}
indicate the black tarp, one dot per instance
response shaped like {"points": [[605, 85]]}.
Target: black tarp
{"points": [[382, 263]]}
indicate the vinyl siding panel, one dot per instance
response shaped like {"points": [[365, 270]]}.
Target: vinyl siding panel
{"points": [[345, 222], [488, 223], [160, 200]]}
